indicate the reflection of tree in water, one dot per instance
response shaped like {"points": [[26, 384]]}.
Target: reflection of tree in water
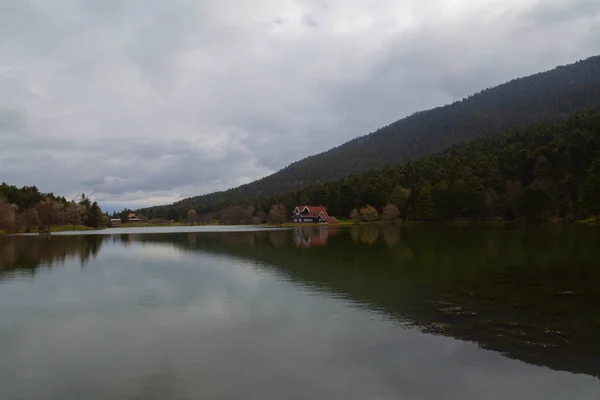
{"points": [[278, 238], [23, 255], [253, 239], [355, 233], [391, 235], [192, 238], [367, 234]]}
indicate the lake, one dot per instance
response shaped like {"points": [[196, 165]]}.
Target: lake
{"points": [[388, 312]]}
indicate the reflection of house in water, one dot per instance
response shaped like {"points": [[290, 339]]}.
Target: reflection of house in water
{"points": [[310, 237], [125, 238]]}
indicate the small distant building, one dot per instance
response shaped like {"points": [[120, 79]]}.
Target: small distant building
{"points": [[316, 214], [133, 218]]}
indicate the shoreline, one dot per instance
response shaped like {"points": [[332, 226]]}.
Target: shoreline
{"points": [[341, 224]]}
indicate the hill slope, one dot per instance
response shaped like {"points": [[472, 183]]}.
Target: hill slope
{"points": [[543, 96], [545, 170]]}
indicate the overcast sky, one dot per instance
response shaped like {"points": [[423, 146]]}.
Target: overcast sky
{"points": [[141, 102]]}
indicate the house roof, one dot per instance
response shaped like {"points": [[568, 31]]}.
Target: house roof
{"points": [[314, 211]]}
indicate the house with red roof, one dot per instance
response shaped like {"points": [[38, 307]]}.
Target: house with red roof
{"points": [[312, 214], [133, 218]]}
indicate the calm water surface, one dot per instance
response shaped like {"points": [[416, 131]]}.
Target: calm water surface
{"points": [[422, 312]]}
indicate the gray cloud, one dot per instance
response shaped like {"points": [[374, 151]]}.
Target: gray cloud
{"points": [[144, 102]]}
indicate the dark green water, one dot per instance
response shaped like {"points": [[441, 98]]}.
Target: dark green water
{"points": [[425, 312]]}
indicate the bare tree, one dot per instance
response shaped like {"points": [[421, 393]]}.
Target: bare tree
{"points": [[205, 218], [8, 220], [260, 217], [49, 212], [233, 215], [277, 214], [73, 214], [248, 215], [30, 219]]}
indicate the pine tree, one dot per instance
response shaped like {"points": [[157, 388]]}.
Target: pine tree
{"points": [[94, 215]]}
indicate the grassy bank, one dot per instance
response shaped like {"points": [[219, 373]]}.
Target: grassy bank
{"points": [[144, 225], [345, 222], [57, 228], [153, 225], [590, 220], [65, 228]]}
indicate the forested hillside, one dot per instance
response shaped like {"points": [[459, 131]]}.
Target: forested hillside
{"points": [[545, 170], [537, 98]]}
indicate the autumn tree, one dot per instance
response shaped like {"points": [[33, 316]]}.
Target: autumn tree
{"points": [[390, 213], [277, 214], [192, 216], [368, 214]]}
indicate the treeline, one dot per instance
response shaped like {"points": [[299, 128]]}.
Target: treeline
{"points": [[25, 209], [544, 171], [236, 215], [533, 99]]}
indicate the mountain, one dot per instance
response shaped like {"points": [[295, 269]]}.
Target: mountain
{"points": [[520, 102], [544, 171]]}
